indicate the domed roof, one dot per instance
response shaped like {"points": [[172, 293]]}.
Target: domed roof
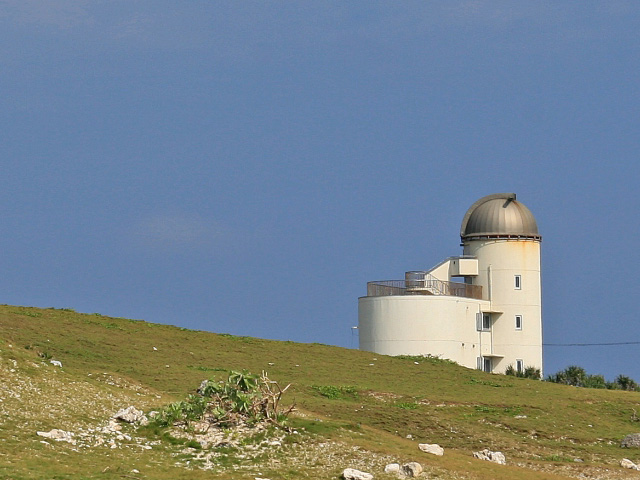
{"points": [[499, 216]]}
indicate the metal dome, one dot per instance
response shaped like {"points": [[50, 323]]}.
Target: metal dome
{"points": [[499, 216]]}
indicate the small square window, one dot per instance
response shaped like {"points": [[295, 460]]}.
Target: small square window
{"points": [[518, 322], [517, 282]]}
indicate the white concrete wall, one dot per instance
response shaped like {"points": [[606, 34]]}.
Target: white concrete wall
{"points": [[422, 324], [441, 271], [498, 263], [463, 267]]}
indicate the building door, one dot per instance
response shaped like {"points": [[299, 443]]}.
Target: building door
{"points": [[487, 364]]}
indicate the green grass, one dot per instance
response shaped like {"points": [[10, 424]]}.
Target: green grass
{"points": [[334, 392], [340, 396]]}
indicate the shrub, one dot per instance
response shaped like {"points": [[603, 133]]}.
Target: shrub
{"points": [[625, 383], [242, 398], [594, 381], [529, 372], [572, 375], [578, 377]]}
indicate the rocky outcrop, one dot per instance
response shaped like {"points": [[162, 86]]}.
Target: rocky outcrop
{"points": [[488, 455], [631, 441], [432, 448], [131, 415]]}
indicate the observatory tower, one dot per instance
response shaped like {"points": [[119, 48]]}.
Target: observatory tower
{"points": [[482, 309]]}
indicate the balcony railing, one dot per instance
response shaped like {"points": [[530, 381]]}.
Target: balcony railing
{"points": [[427, 286]]}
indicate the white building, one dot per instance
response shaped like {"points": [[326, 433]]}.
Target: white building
{"points": [[481, 309]]}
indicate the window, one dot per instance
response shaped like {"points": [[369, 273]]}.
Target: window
{"points": [[519, 366], [517, 282], [486, 322], [518, 322]]}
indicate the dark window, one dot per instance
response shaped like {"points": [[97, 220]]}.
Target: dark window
{"points": [[518, 322], [486, 321]]}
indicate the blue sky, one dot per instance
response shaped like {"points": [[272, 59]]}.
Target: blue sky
{"points": [[246, 167]]}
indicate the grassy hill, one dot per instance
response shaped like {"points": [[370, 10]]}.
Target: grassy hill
{"points": [[354, 409]]}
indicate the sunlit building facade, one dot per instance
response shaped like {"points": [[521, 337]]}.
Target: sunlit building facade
{"points": [[482, 309]]}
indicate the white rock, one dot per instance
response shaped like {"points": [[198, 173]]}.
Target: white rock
{"points": [[58, 435], [626, 463], [412, 469], [353, 474], [131, 415], [432, 448], [135, 470], [486, 454], [392, 468], [55, 363]]}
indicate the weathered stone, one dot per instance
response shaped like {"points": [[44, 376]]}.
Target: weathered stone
{"points": [[632, 440], [392, 468], [58, 435], [412, 469], [432, 448], [486, 454], [353, 474], [131, 415], [626, 463]]}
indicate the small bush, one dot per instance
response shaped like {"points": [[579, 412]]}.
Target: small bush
{"points": [[529, 372], [242, 398], [594, 381], [625, 383]]}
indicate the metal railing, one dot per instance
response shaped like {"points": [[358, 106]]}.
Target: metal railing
{"points": [[428, 286]]}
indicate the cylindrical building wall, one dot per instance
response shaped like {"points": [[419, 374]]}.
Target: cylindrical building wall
{"points": [[509, 272], [421, 324]]}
